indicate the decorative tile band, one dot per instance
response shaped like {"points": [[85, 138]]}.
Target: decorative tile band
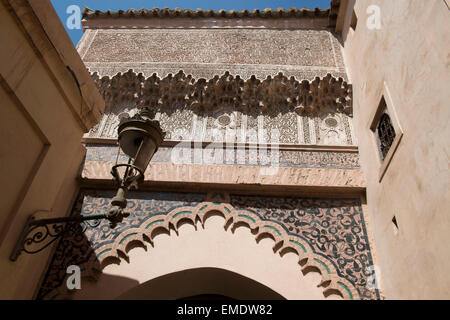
{"points": [[299, 244], [345, 287]]}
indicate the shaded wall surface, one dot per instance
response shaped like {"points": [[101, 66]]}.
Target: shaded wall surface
{"points": [[406, 61], [44, 115]]}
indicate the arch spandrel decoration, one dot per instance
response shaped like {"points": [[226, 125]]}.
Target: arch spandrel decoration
{"points": [[328, 235]]}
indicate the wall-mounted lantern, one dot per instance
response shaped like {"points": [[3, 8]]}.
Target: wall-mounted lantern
{"points": [[139, 138]]}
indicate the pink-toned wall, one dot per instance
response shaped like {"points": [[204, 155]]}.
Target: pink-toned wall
{"points": [[43, 119], [408, 61]]}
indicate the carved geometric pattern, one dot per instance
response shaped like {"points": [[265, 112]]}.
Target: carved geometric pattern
{"points": [[190, 109], [328, 235], [305, 97]]}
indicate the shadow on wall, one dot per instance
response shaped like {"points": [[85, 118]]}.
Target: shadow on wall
{"points": [[76, 250]]}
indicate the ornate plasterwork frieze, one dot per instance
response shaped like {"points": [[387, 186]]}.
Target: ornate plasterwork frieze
{"points": [[286, 158], [204, 53], [328, 235], [305, 97], [227, 108]]}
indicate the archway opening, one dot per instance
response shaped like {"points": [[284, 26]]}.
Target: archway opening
{"points": [[202, 284]]}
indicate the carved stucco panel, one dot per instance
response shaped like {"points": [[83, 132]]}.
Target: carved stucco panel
{"points": [[177, 125], [231, 126], [316, 112], [332, 129]]}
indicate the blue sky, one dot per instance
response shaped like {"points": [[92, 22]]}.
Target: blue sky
{"points": [[62, 5]]}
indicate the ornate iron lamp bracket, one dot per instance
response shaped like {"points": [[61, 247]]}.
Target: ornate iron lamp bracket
{"points": [[139, 138], [38, 234]]}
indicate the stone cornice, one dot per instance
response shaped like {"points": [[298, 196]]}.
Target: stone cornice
{"points": [[330, 14], [46, 35], [199, 13], [304, 97]]}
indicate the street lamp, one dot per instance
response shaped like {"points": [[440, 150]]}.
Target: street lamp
{"points": [[139, 138]]}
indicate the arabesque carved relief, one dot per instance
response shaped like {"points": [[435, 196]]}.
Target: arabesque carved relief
{"points": [[189, 109]]}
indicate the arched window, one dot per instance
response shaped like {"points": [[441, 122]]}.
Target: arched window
{"points": [[386, 134]]}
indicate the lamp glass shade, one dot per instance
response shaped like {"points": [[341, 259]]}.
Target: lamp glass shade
{"points": [[139, 140], [145, 154]]}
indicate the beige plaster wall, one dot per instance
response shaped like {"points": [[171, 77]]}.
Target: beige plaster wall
{"points": [[407, 61], [211, 247], [43, 119]]}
